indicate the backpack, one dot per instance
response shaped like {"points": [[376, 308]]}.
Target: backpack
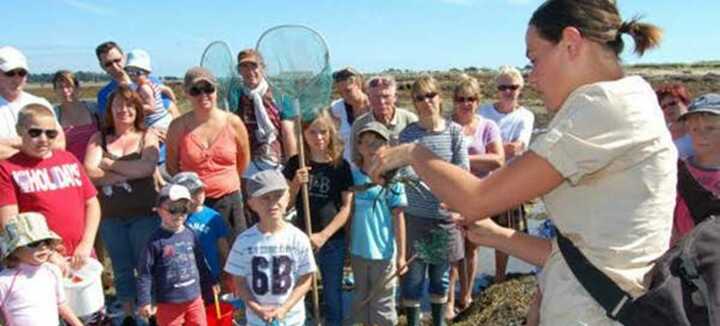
{"points": [[684, 284]]}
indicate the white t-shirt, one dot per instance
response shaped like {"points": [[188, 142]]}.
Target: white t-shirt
{"points": [[271, 263], [610, 143], [31, 294], [337, 108], [9, 112], [514, 126]]}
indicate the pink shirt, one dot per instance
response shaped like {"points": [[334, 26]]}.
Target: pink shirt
{"points": [[30, 295], [486, 133], [710, 180]]}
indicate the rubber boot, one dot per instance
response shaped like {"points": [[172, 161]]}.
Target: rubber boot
{"points": [[413, 316], [438, 314]]}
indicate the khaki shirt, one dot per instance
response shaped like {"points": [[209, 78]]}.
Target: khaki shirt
{"points": [[610, 142], [399, 121]]}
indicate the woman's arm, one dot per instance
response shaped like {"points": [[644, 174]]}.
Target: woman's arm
{"points": [[531, 249], [93, 157], [136, 169], [243, 144], [526, 178], [493, 158], [289, 139], [172, 145]]}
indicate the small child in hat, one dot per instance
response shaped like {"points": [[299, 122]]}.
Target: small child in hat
{"points": [[272, 261], [31, 288], [172, 268]]}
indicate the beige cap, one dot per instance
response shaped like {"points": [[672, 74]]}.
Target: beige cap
{"points": [[250, 55], [198, 74], [24, 229]]}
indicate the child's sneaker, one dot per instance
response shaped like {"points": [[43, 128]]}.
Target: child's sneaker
{"points": [[348, 282]]}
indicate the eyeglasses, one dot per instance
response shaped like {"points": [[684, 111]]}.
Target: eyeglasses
{"points": [[134, 72], [109, 63], [248, 65], [177, 208], [461, 99], [503, 88], [16, 72], [36, 132], [201, 89], [37, 244], [426, 96]]}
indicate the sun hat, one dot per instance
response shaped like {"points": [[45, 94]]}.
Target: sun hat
{"points": [[139, 58], [24, 229], [707, 103], [264, 182], [11, 59]]}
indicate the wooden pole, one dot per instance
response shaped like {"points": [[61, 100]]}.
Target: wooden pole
{"points": [[306, 204]]}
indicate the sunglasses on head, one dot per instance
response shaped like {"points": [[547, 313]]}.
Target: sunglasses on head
{"points": [[203, 88], [503, 88], [109, 63], [426, 96], [36, 132], [16, 72], [462, 99], [37, 244]]}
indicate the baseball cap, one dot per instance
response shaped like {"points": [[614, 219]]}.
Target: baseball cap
{"points": [[250, 55], [197, 74], [23, 229], [11, 59], [172, 192], [377, 128], [139, 58], [707, 103], [189, 180], [264, 182]]}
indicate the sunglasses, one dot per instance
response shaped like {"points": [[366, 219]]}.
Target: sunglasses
{"points": [[201, 89], [133, 72], [16, 72], [37, 244], [248, 65], [426, 96], [503, 88], [461, 99], [107, 64], [177, 208], [36, 132]]}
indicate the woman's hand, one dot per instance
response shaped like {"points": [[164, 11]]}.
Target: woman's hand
{"points": [[317, 240], [106, 163], [302, 176], [401, 265], [391, 158]]}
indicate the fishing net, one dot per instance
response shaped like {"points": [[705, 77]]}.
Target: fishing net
{"points": [[218, 58], [297, 66]]}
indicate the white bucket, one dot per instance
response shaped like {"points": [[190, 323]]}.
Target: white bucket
{"points": [[84, 289]]}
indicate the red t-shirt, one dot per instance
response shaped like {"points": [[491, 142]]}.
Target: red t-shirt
{"points": [[57, 187]]}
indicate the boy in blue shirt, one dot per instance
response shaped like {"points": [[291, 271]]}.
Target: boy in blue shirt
{"points": [[209, 226], [377, 233]]}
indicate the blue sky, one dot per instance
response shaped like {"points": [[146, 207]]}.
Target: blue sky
{"points": [[371, 35]]}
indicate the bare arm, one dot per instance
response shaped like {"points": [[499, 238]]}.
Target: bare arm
{"points": [[244, 294], [9, 147], [531, 249], [6, 212], [399, 227], [93, 157], [493, 158], [147, 97], [526, 178], [172, 145], [341, 217], [513, 149], [289, 138], [68, 315], [243, 144], [92, 221], [141, 168], [167, 91], [302, 286]]}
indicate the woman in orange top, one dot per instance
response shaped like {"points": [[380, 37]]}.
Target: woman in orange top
{"points": [[212, 143]]}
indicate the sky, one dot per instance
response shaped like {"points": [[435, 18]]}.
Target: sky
{"points": [[371, 35]]}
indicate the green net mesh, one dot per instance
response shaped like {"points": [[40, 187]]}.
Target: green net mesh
{"points": [[218, 58]]}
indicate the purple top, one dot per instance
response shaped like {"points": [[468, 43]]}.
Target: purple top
{"points": [[486, 132]]}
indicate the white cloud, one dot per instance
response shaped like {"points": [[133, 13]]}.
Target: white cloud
{"points": [[92, 8]]}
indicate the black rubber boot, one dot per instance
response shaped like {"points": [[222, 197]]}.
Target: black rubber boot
{"points": [[413, 316], [438, 314]]}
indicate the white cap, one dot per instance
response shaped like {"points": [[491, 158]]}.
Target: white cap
{"points": [[11, 59], [139, 58]]}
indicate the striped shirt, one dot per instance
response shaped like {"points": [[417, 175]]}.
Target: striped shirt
{"points": [[450, 146]]}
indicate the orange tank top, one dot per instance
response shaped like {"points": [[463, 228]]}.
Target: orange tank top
{"points": [[216, 165]]}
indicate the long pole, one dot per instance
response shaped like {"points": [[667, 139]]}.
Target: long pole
{"points": [[306, 203]]}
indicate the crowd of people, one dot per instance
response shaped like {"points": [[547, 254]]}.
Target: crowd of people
{"points": [[188, 206]]}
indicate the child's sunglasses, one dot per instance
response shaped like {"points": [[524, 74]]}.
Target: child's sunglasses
{"points": [[36, 132]]}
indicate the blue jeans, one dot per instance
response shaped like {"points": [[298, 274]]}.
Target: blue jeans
{"points": [[413, 282], [125, 239], [331, 258]]}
